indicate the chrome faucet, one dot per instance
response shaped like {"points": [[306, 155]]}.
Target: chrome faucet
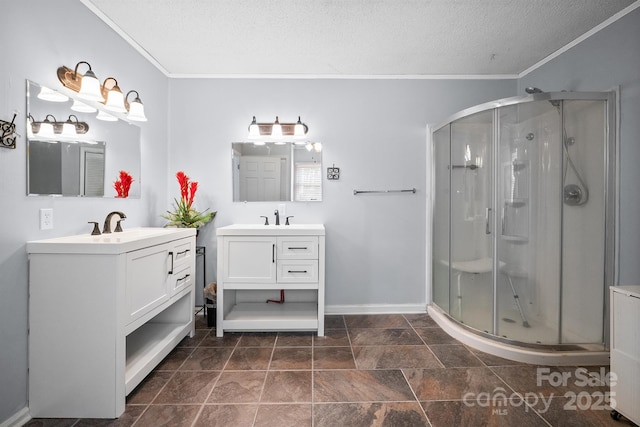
{"points": [[107, 222], [277, 214]]}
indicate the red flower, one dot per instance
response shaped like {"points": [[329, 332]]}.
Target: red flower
{"points": [[123, 184], [183, 180], [187, 188], [192, 192]]}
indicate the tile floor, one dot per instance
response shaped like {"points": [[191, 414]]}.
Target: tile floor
{"points": [[369, 370]]}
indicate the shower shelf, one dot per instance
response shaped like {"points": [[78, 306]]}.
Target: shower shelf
{"points": [[515, 203], [515, 239]]}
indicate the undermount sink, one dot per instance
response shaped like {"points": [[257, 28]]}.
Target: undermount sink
{"points": [[112, 243], [266, 230]]}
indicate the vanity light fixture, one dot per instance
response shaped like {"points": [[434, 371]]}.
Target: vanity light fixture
{"points": [[136, 108], [114, 97], [88, 87], [51, 128], [276, 129]]}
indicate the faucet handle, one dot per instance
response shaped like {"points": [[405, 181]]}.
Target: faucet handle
{"points": [[266, 219], [119, 226], [287, 221], [96, 229]]}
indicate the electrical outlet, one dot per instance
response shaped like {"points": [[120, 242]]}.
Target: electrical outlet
{"points": [[46, 219]]}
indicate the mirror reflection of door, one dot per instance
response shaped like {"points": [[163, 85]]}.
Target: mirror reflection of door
{"points": [[260, 178]]}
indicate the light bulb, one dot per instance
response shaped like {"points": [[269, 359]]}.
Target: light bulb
{"points": [[106, 117], [298, 129], [254, 129], [90, 87], [81, 107], [276, 129]]}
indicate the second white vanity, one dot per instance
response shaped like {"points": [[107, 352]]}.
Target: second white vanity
{"points": [[257, 263], [103, 312]]}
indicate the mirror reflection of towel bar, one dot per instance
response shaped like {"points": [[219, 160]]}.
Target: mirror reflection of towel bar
{"points": [[356, 192]]}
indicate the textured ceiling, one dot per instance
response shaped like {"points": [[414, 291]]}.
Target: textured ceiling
{"points": [[352, 37]]}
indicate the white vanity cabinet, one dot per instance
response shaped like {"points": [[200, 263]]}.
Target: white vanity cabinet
{"points": [[103, 312], [255, 263], [625, 351]]}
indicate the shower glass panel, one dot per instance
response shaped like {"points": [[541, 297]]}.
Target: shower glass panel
{"points": [[524, 219], [471, 216], [530, 213], [441, 208], [583, 221]]}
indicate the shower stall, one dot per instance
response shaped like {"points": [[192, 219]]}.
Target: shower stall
{"points": [[524, 214]]}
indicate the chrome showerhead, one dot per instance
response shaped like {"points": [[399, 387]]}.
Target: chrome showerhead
{"points": [[531, 90]]}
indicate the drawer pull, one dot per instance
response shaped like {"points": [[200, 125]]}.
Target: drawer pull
{"points": [[301, 249], [182, 253], [182, 279], [297, 271]]}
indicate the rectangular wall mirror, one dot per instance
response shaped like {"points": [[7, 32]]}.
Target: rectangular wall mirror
{"points": [[282, 171], [84, 165]]}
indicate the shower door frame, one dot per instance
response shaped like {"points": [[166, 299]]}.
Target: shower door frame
{"points": [[610, 197]]}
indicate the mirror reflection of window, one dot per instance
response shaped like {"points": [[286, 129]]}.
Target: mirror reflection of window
{"points": [[308, 179], [92, 172]]}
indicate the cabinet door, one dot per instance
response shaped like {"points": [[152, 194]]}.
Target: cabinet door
{"points": [[249, 259], [147, 280]]}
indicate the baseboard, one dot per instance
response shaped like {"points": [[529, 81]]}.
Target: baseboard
{"points": [[18, 419], [376, 309]]}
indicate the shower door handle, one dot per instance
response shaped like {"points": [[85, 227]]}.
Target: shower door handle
{"points": [[487, 215]]}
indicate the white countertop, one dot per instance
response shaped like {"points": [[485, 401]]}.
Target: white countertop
{"points": [[112, 243], [271, 230]]}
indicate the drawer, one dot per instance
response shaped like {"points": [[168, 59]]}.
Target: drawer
{"points": [[181, 280], [298, 247], [183, 253], [298, 271]]}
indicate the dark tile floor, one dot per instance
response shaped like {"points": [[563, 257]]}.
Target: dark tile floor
{"points": [[369, 370]]}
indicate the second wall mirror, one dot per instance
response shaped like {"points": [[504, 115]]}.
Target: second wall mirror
{"points": [[276, 171]]}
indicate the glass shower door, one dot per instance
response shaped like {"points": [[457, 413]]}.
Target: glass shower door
{"points": [[471, 220], [530, 212], [441, 212]]}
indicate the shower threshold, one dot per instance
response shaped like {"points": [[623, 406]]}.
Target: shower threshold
{"points": [[533, 353]]}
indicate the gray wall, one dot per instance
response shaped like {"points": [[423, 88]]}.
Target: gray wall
{"points": [[37, 37], [602, 62], [374, 130]]}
